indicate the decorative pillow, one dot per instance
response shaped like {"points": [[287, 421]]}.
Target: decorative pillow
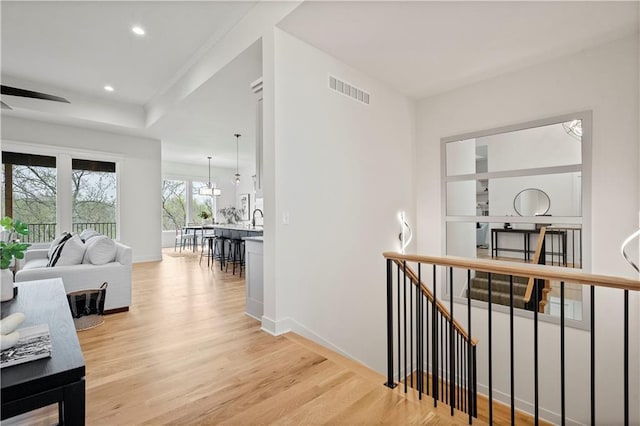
{"points": [[88, 233], [100, 250], [69, 252], [56, 241]]}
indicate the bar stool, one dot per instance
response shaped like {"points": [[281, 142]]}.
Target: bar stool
{"points": [[236, 251], [208, 241], [219, 242]]}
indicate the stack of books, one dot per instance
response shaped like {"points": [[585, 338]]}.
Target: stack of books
{"points": [[34, 343]]}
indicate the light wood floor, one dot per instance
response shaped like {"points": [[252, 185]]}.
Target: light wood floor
{"points": [[186, 353]]}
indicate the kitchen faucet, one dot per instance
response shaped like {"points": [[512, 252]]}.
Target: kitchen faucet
{"points": [[253, 219]]}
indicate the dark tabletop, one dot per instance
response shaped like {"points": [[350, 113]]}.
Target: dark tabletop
{"points": [[44, 301]]}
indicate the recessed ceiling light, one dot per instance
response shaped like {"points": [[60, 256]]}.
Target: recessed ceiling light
{"points": [[108, 88], [138, 30]]}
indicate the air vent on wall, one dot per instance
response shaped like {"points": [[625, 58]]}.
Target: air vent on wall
{"points": [[348, 90]]}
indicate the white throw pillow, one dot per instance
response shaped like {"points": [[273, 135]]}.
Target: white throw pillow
{"points": [[88, 233], [56, 241], [100, 250], [69, 252]]}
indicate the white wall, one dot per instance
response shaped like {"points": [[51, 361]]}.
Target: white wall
{"points": [[342, 172], [604, 80], [138, 164]]}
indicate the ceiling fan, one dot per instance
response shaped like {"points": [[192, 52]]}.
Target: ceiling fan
{"points": [[14, 91]]}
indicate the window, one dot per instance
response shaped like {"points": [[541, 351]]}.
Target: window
{"points": [[501, 186], [201, 203], [174, 200], [31, 193], [93, 186], [29, 187]]}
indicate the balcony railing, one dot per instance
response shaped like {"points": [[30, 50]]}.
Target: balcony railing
{"points": [[46, 232], [444, 361]]}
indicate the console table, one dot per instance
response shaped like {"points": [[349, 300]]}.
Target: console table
{"points": [[526, 236], [58, 379]]}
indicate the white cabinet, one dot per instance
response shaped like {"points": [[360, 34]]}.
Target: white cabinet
{"points": [[256, 86], [254, 277]]}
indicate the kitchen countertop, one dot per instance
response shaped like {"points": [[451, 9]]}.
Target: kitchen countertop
{"points": [[234, 227], [256, 239]]}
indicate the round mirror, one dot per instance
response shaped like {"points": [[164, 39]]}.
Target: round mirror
{"points": [[531, 202]]}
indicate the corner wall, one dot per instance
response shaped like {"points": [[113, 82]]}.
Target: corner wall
{"points": [[342, 172], [139, 173], [604, 80]]}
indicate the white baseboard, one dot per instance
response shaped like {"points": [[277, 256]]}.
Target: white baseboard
{"points": [[287, 325], [526, 407], [275, 328], [251, 316]]}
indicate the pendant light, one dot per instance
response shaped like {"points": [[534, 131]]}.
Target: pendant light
{"points": [[210, 190], [237, 135]]}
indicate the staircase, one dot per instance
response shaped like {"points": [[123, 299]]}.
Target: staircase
{"points": [[425, 338], [500, 284]]}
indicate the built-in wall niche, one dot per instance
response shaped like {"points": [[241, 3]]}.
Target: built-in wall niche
{"points": [[500, 186]]}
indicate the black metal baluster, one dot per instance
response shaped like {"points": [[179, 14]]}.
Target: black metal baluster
{"points": [[419, 332], [434, 347], [442, 392], [464, 373], [593, 354], [458, 370], [511, 352], [475, 382], [535, 354], [490, 355], [411, 334], [626, 357], [452, 372], [399, 334], [469, 383], [573, 247], [390, 382], [404, 313], [580, 251], [426, 341], [562, 383]]}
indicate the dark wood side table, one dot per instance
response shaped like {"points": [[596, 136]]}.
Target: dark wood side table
{"points": [[527, 250], [58, 379]]}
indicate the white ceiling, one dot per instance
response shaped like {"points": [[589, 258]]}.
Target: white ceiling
{"points": [[423, 48], [84, 46], [204, 123]]}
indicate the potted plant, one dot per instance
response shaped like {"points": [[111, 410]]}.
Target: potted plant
{"points": [[231, 214], [204, 215], [10, 249]]}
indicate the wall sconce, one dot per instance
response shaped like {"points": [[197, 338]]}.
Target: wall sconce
{"points": [[406, 234], [625, 244]]}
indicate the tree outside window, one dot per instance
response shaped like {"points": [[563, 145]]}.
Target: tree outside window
{"points": [[94, 192], [174, 211], [201, 203]]}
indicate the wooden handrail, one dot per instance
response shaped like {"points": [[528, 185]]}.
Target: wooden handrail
{"points": [[443, 310], [522, 270], [536, 259]]}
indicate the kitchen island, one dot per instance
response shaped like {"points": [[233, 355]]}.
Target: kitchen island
{"points": [[254, 276]]}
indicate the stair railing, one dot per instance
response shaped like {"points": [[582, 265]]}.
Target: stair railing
{"points": [[452, 377], [453, 365]]}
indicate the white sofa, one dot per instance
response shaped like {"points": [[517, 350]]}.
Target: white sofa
{"points": [[85, 276]]}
